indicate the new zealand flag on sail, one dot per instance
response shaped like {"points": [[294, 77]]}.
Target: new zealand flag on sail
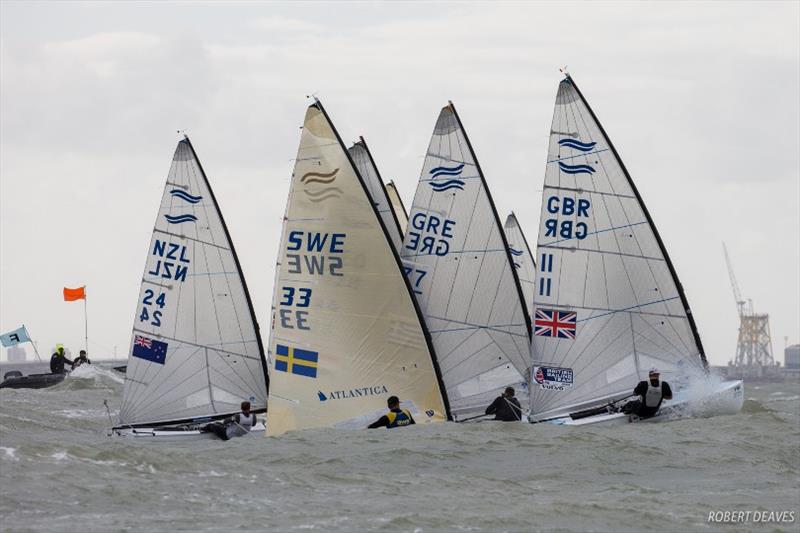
{"points": [[150, 349], [552, 323]]}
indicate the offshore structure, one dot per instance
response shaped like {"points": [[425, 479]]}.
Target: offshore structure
{"points": [[754, 346]]}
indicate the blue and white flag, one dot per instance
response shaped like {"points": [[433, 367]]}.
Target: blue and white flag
{"points": [[15, 337]]}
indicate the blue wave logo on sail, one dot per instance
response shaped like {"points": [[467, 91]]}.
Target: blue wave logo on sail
{"points": [[576, 169], [440, 186], [183, 195], [577, 145], [446, 171], [514, 251], [517, 265], [180, 219]]}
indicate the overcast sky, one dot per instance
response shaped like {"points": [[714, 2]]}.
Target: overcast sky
{"points": [[700, 99]]}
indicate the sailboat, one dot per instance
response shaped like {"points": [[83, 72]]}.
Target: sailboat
{"points": [[608, 302], [458, 262], [397, 205], [365, 164], [346, 333], [523, 259], [196, 351]]}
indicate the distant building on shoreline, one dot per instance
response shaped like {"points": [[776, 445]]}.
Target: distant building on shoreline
{"points": [[16, 354], [791, 357]]}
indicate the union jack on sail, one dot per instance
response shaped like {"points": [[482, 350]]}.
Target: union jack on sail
{"points": [[553, 323]]}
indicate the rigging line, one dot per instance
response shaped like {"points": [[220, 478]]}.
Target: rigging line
{"points": [[241, 387], [669, 342], [597, 232], [522, 356], [150, 390], [457, 138], [673, 273], [580, 190], [578, 391], [606, 252], [567, 307], [492, 326], [213, 346], [460, 344], [521, 368], [577, 155], [173, 171], [188, 238], [625, 214], [487, 328], [227, 281]]}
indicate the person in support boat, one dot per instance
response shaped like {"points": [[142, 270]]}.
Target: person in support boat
{"points": [[652, 392], [505, 407], [81, 359], [240, 424], [58, 359], [395, 418]]}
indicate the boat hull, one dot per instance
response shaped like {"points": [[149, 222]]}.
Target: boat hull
{"points": [[175, 434], [33, 381], [726, 399]]}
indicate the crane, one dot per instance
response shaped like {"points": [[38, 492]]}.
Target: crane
{"points": [[754, 346]]}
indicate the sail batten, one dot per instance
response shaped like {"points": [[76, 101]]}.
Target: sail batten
{"points": [[346, 332], [193, 302], [607, 302], [456, 258]]}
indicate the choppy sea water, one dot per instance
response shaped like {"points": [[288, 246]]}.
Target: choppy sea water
{"points": [[60, 472]]}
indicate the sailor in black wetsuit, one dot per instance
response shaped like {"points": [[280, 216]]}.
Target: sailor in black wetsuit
{"points": [[652, 393], [395, 418], [505, 407], [57, 360], [82, 358]]}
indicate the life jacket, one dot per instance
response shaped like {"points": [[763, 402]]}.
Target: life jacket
{"points": [[653, 396], [241, 425], [398, 418], [246, 422]]}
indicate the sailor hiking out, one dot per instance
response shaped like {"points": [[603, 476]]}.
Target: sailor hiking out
{"points": [[506, 407], [239, 425], [651, 393], [396, 417]]}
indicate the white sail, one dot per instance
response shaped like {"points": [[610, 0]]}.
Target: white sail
{"points": [[523, 259], [346, 333], [195, 350], [397, 205], [365, 164], [608, 304], [456, 258]]}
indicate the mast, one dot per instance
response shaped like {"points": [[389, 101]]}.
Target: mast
{"points": [[660, 242], [238, 267], [399, 199], [395, 254], [383, 186], [497, 222]]}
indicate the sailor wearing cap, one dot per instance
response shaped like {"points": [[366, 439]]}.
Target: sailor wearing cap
{"points": [[652, 392]]}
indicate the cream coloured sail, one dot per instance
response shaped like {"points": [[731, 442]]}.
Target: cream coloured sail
{"points": [[196, 352], [456, 257], [608, 303], [365, 164], [346, 334], [523, 259], [397, 205]]}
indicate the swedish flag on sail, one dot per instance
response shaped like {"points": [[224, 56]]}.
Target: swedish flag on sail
{"points": [[296, 361]]}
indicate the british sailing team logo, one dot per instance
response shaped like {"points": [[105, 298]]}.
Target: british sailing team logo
{"points": [[446, 172], [317, 186]]}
